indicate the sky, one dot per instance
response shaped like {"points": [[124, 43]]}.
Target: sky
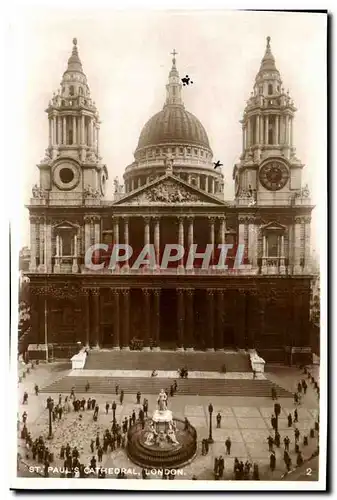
{"points": [[126, 57]]}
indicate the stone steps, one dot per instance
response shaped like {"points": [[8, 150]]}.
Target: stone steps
{"points": [[168, 360], [201, 387]]}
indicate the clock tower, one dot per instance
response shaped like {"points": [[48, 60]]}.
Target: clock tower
{"points": [[71, 169], [269, 171]]}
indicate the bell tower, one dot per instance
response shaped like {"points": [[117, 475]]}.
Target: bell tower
{"points": [[269, 171], [72, 167]]}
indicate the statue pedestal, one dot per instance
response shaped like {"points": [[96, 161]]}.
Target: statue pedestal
{"points": [[162, 419]]}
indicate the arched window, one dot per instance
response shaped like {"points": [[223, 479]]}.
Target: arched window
{"points": [[270, 89], [71, 90]]}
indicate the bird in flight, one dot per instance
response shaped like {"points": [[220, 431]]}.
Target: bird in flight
{"points": [[217, 164]]}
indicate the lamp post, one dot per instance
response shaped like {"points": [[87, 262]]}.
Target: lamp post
{"points": [[210, 411], [50, 409]]}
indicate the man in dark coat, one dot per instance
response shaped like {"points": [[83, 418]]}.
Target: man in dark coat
{"points": [[228, 444], [121, 397], [221, 466], [295, 416], [304, 386], [138, 396], [286, 441], [113, 407], [274, 422], [218, 420], [107, 406], [299, 387], [92, 444], [270, 443], [277, 439], [89, 404], [99, 454], [299, 460], [97, 440], [290, 420], [277, 409], [297, 435], [272, 462]]}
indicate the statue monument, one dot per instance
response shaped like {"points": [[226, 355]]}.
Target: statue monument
{"points": [[161, 430]]}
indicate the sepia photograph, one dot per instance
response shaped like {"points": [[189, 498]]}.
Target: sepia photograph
{"points": [[168, 245]]}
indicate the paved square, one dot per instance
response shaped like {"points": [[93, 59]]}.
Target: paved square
{"points": [[245, 420]]}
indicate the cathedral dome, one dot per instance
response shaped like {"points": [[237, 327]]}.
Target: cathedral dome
{"points": [[173, 125]]}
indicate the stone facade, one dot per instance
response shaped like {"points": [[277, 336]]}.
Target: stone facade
{"points": [[172, 194]]}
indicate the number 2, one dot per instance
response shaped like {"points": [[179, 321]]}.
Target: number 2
{"points": [[308, 471]]}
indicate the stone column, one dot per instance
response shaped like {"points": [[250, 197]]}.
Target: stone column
{"points": [[210, 320], [261, 129], [97, 139], [277, 118], [95, 299], [146, 230], [86, 316], [180, 318], [87, 233], [190, 240], [291, 132], [222, 230], [252, 242], [126, 239], [59, 130], [243, 138], [286, 134], [157, 240], [189, 319], [139, 183], [41, 246], [211, 237], [156, 322], [147, 318], [75, 130], [206, 183], [54, 130], [116, 338], [242, 234], [82, 130], [198, 181], [219, 320], [50, 123], [33, 245], [181, 240], [249, 133], [297, 245], [307, 250], [126, 319], [257, 131], [266, 129], [97, 229], [64, 130]]}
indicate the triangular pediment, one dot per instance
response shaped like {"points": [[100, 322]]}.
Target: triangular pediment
{"points": [[65, 224], [168, 190], [273, 226]]}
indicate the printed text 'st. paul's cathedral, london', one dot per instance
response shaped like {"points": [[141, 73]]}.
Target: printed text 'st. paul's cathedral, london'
{"points": [[172, 194]]}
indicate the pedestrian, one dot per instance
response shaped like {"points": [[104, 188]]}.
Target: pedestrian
{"points": [[228, 444], [133, 417], [100, 454], [97, 440], [256, 475], [175, 385], [274, 422], [36, 389], [119, 439], [113, 407], [146, 407], [60, 399], [89, 404], [216, 466], [277, 409], [277, 439], [92, 444], [206, 446], [299, 387], [273, 393], [304, 386], [87, 386], [121, 397], [296, 398], [107, 406], [286, 441], [299, 460], [171, 391], [93, 403], [305, 441], [272, 462], [72, 393], [117, 389], [270, 443], [221, 466], [290, 420], [24, 417], [25, 398], [295, 416], [138, 396], [297, 435], [218, 420]]}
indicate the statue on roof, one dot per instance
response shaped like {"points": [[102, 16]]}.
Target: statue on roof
{"points": [[168, 162]]}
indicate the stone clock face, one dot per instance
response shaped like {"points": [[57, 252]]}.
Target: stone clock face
{"points": [[66, 175], [274, 175]]}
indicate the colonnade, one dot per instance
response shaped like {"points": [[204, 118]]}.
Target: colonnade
{"points": [[85, 130], [282, 130]]}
